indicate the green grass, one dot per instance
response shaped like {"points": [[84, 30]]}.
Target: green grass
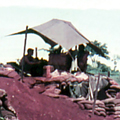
{"points": [[115, 75]]}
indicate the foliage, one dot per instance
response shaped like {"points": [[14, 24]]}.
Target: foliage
{"points": [[103, 67], [99, 69], [115, 75], [102, 47]]}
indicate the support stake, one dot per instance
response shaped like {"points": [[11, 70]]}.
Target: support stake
{"points": [[95, 98], [24, 52]]}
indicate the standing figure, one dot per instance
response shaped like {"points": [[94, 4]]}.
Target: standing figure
{"points": [[82, 58]]}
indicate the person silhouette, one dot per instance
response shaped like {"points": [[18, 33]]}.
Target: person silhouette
{"points": [[82, 58]]}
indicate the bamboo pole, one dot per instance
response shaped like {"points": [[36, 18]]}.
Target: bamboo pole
{"points": [[24, 52]]}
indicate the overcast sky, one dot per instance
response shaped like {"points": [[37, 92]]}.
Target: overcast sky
{"points": [[72, 4], [95, 19]]}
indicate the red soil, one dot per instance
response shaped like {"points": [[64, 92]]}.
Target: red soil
{"points": [[29, 104]]}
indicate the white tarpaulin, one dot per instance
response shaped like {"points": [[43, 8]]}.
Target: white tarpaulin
{"points": [[58, 32]]}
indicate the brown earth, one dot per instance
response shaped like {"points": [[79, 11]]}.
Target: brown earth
{"points": [[30, 104]]}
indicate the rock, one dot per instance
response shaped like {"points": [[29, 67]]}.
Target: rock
{"points": [[8, 114], [2, 93]]}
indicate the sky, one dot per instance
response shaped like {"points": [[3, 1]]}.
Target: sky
{"points": [[95, 19], [67, 4]]}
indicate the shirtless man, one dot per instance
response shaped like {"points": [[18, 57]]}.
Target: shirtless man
{"points": [[30, 63]]}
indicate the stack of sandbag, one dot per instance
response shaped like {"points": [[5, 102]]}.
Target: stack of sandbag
{"points": [[112, 107], [57, 76], [7, 112], [88, 105], [8, 71], [111, 93], [52, 91], [66, 83], [60, 76]]}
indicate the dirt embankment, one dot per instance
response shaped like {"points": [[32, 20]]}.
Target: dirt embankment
{"points": [[29, 104]]}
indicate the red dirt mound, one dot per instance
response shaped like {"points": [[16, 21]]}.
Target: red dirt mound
{"points": [[29, 104]]}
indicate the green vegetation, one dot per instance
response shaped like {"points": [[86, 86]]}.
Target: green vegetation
{"points": [[100, 67]]}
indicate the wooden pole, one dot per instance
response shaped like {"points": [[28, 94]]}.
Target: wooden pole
{"points": [[35, 52], [95, 98], [24, 52]]}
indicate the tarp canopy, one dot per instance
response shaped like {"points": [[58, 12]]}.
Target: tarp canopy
{"points": [[59, 32]]}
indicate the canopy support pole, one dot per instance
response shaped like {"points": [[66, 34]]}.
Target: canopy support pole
{"points": [[24, 52]]}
